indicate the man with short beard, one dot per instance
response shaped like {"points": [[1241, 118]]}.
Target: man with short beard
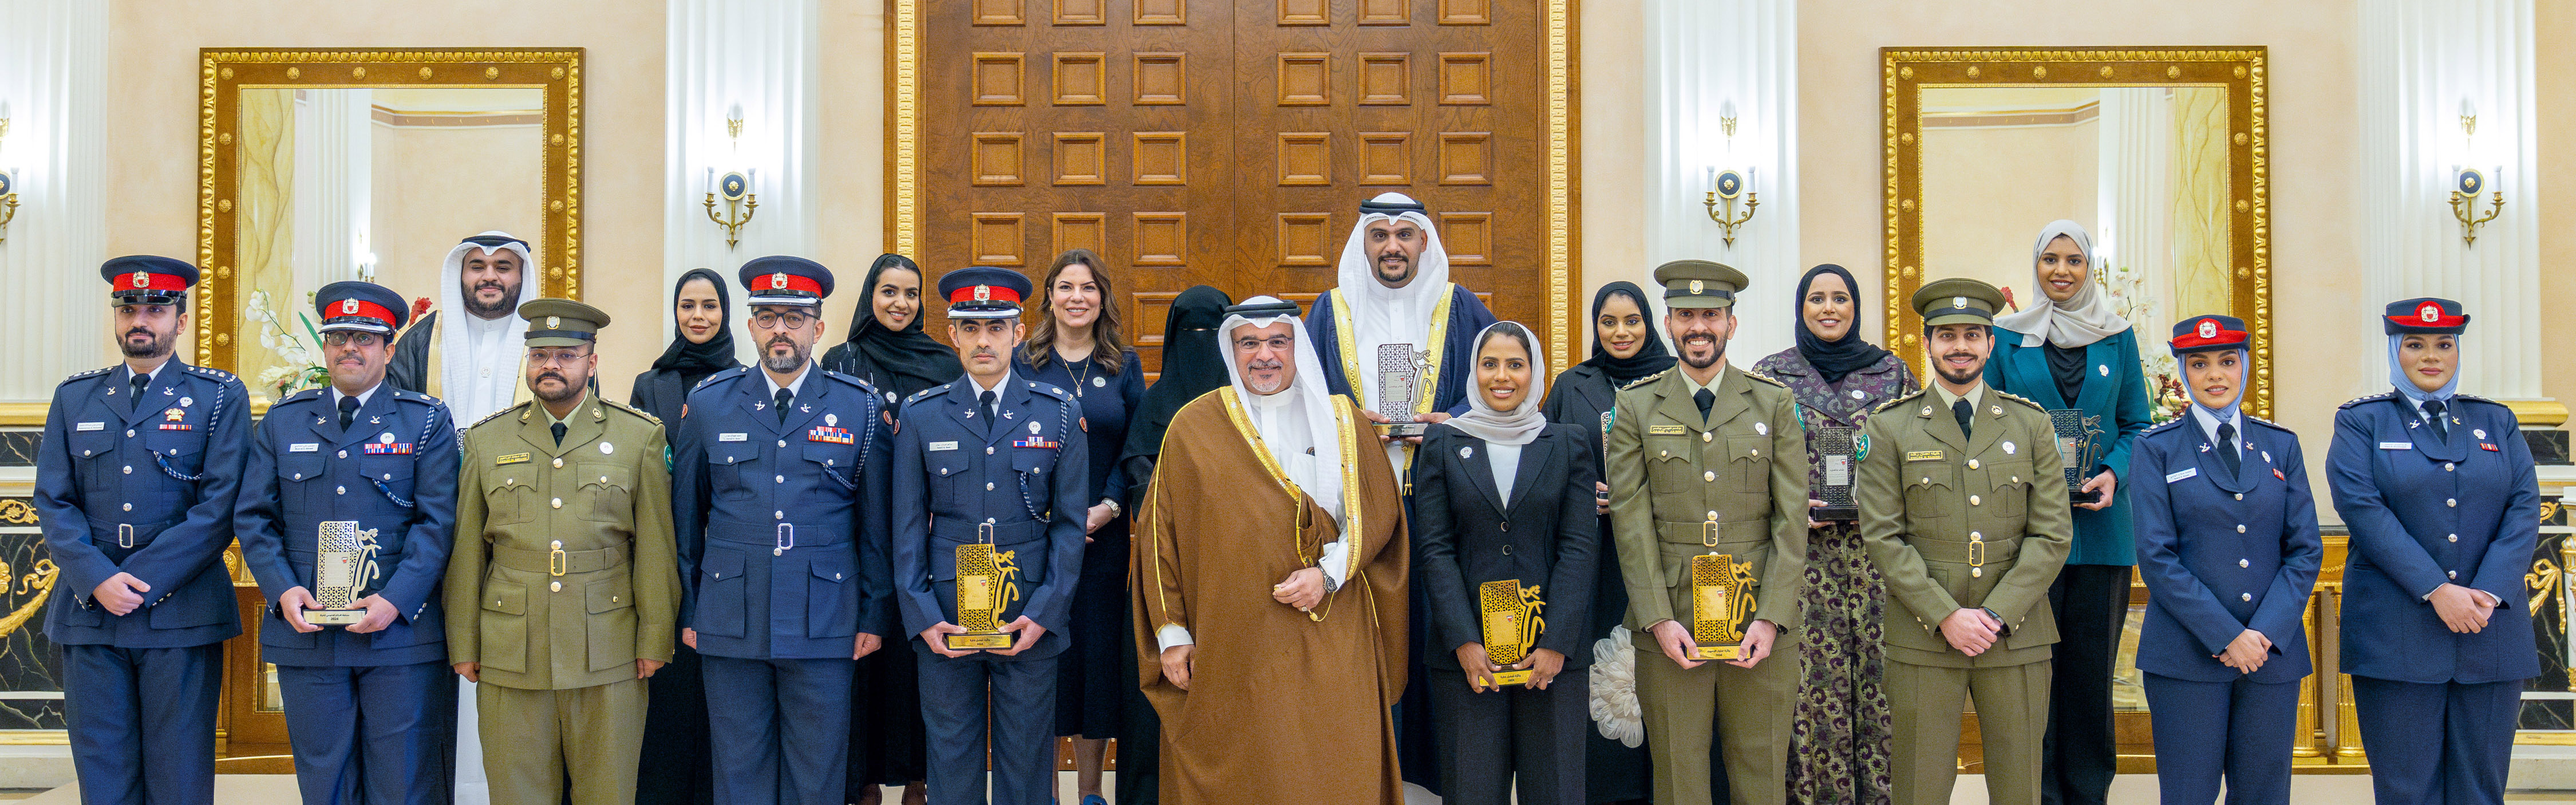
{"points": [[1395, 291], [1963, 507], [1704, 458], [472, 361], [564, 588], [780, 501], [135, 483]]}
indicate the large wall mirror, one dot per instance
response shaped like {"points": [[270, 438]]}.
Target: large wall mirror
{"points": [[2160, 154], [330, 165]]}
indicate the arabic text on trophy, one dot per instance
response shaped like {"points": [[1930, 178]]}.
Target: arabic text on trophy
{"points": [[344, 563], [1399, 378], [984, 590], [1512, 625]]}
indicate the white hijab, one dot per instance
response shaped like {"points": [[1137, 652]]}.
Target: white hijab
{"points": [[1297, 424], [1381, 315], [1522, 424], [2079, 321], [460, 366]]}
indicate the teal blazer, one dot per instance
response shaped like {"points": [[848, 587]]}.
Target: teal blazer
{"points": [[2115, 389]]}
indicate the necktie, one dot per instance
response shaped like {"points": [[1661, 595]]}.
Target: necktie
{"points": [[2227, 453], [348, 410], [784, 397], [1964, 412], [1705, 399], [2432, 416], [558, 430], [986, 400], [139, 382]]}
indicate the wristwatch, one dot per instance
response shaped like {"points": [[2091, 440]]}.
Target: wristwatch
{"points": [[1999, 620], [1112, 504], [1330, 586]]}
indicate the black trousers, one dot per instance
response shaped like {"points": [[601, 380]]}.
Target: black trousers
{"points": [[679, 766], [2080, 754], [1486, 739]]}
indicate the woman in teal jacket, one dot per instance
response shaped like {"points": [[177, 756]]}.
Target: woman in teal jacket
{"points": [[2074, 351]]}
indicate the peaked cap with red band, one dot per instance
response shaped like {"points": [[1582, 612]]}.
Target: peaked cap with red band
{"points": [[361, 306], [147, 280], [784, 280], [2209, 333], [984, 292], [2427, 315]]}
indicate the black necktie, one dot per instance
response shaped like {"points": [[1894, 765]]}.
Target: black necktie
{"points": [[139, 382], [558, 429], [1964, 412], [348, 410], [2227, 449], [2433, 416], [1706, 399], [784, 397], [986, 400]]}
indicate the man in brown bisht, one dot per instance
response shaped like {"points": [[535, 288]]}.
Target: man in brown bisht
{"points": [[1269, 578]]}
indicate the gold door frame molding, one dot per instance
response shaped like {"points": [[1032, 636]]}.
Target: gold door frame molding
{"points": [[1560, 186], [2242, 71], [224, 72]]}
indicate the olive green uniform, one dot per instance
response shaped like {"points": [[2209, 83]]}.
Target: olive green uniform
{"points": [[564, 575], [1965, 521], [1670, 470]]}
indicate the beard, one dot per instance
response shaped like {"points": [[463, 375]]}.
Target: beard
{"points": [[1717, 352], [154, 344], [509, 300], [1277, 384], [1398, 272], [1965, 376], [565, 389], [796, 355]]}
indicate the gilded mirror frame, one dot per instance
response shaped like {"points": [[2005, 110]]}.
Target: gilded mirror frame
{"points": [[1905, 72], [225, 72]]}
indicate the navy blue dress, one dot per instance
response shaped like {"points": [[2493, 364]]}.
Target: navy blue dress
{"points": [[1090, 685]]}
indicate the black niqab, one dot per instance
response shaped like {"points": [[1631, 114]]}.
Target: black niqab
{"points": [[1833, 359], [695, 361], [1651, 358], [1193, 365]]}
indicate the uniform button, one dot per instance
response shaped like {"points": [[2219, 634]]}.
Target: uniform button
{"points": [[1972, 463], [130, 434], [559, 463], [1975, 535], [2244, 563], [554, 586], [2244, 596], [943, 470], [2447, 467], [782, 442], [2240, 496], [2455, 574], [558, 503], [299, 476], [1926, 479], [2455, 537], [778, 515], [835, 577], [988, 451], [1973, 501], [988, 486], [558, 545], [341, 490], [778, 552], [2240, 528], [2452, 502], [1507, 550], [129, 507], [1712, 515], [84, 452], [343, 453], [129, 469], [1507, 527], [613, 599], [1664, 454], [2016, 479], [1710, 476], [1703, 436], [781, 479], [602, 479], [390, 476]]}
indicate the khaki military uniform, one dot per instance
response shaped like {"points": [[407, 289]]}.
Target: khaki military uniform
{"points": [[1965, 521], [564, 574], [1670, 470]]}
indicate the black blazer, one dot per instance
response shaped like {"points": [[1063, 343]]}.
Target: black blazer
{"points": [[1464, 535]]}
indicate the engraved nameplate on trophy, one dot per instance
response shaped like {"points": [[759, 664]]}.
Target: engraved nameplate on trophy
{"points": [[1838, 455], [983, 585], [2075, 445], [1512, 626], [1399, 379], [344, 563], [1721, 599]]}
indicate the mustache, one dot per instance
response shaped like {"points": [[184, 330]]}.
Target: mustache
{"points": [[140, 331], [555, 375], [780, 340], [1960, 354], [491, 285]]}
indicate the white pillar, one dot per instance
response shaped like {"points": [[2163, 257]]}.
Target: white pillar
{"points": [[1706, 57], [760, 56], [334, 186], [2133, 202], [2421, 60], [53, 63]]}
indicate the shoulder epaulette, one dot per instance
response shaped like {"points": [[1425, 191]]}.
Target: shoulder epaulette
{"points": [[2035, 406], [1765, 378], [2264, 422], [632, 410], [87, 375], [2365, 398], [1901, 400], [719, 375], [498, 414], [1052, 391], [2476, 398], [1645, 380], [307, 394], [2167, 424], [217, 374], [925, 393]]}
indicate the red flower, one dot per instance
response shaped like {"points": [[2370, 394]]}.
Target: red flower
{"points": [[419, 306]]}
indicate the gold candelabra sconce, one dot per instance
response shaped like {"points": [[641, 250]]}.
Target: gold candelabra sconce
{"points": [[8, 189], [2464, 202], [1725, 188], [734, 186]]}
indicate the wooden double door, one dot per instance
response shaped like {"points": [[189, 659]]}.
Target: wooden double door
{"points": [[1230, 142]]}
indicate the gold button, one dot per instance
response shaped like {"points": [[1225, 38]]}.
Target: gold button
{"points": [[1666, 454], [2244, 563], [1707, 435], [612, 599], [129, 469], [603, 479], [1974, 536], [1972, 463], [2446, 467], [555, 586], [988, 486], [558, 503], [1710, 476], [1757, 451], [2244, 596], [558, 545], [1927, 479], [1973, 501], [559, 463]]}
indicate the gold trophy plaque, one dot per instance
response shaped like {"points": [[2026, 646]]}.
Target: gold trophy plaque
{"points": [[1512, 624], [983, 591], [1721, 605], [344, 563]]}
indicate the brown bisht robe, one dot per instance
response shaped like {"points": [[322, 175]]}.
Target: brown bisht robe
{"points": [[1282, 705]]}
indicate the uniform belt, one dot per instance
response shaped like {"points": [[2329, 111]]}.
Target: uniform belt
{"points": [[960, 530], [1744, 532], [781, 535], [558, 563], [127, 535], [1957, 552]]}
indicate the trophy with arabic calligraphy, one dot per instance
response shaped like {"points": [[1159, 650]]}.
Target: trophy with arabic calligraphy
{"points": [[1721, 600], [344, 563], [1512, 625], [984, 591], [1399, 379]]}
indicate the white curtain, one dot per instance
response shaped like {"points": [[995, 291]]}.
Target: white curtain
{"points": [[760, 56], [1704, 58], [53, 64]]}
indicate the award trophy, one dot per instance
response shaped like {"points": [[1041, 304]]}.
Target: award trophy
{"points": [[2075, 433], [1838, 448], [1399, 375], [1721, 600], [1511, 625], [344, 563], [983, 591]]}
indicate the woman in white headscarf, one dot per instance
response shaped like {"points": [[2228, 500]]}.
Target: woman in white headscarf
{"points": [[2075, 352], [1502, 495]]}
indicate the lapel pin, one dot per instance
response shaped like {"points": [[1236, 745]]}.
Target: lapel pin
{"points": [[1033, 427], [2204, 448], [606, 448], [1995, 410], [169, 392], [2008, 448], [1466, 452], [1859, 396], [1762, 428], [2480, 433], [187, 401], [831, 420], [758, 406], [805, 408], [2105, 369], [375, 420]]}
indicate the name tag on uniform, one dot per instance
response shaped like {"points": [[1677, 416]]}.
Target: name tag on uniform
{"points": [[306, 447], [2171, 477], [2396, 445], [90, 426], [733, 437], [1924, 455], [513, 458], [1667, 430], [938, 446]]}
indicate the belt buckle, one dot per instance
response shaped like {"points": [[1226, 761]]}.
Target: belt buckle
{"points": [[1977, 553], [124, 535], [1708, 531], [984, 533], [556, 562], [785, 540]]}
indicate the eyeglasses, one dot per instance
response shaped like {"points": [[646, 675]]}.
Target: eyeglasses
{"points": [[769, 319], [548, 357], [339, 338], [1278, 343]]}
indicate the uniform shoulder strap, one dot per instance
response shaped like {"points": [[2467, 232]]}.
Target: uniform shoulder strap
{"points": [[500, 413], [2366, 398], [2034, 405], [1645, 380], [1901, 400], [1764, 377], [619, 406]]}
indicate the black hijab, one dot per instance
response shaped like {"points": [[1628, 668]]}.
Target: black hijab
{"points": [[1651, 358], [1833, 359], [1192, 366], [909, 360], [695, 361]]}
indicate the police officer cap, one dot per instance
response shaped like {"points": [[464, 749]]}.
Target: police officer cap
{"points": [[360, 306], [1958, 300], [783, 280], [561, 322], [1699, 283], [2428, 315], [2208, 334], [147, 280], [983, 292]]}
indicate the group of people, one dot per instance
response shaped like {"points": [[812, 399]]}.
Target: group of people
{"points": [[1324, 553]]}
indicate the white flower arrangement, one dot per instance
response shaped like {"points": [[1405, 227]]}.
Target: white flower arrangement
{"points": [[1615, 710], [298, 367]]}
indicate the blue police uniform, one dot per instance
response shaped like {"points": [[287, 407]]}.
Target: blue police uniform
{"points": [[143, 483], [2222, 551], [371, 717], [1016, 476], [2433, 503], [782, 515]]}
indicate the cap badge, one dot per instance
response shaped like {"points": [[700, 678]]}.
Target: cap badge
{"points": [[778, 280], [554, 322], [142, 279], [1695, 286], [2430, 312], [983, 293], [2208, 328], [348, 307], [1959, 302]]}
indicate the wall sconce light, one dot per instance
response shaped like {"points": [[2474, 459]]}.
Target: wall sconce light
{"points": [[1726, 186], [2467, 182], [8, 189], [739, 201]]}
